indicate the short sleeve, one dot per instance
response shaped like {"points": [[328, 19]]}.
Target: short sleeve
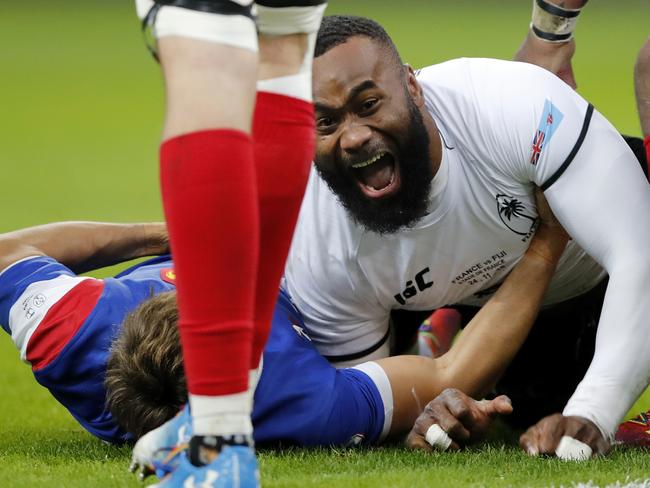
{"points": [[302, 399], [40, 295]]}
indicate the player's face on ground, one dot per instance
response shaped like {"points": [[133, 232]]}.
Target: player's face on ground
{"points": [[372, 143]]}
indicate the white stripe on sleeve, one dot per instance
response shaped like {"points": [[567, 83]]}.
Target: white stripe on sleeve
{"points": [[380, 379], [29, 310]]}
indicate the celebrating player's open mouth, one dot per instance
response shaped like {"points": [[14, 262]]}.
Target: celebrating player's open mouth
{"points": [[370, 179], [378, 176]]}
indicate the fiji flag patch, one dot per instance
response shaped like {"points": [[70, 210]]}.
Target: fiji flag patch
{"points": [[550, 120]]}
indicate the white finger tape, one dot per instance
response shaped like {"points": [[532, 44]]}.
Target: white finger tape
{"points": [[570, 449], [437, 438]]}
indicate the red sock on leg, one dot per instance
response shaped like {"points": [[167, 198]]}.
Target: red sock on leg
{"points": [[284, 136], [210, 201]]}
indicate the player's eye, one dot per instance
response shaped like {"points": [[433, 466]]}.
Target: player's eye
{"points": [[369, 104], [324, 124]]}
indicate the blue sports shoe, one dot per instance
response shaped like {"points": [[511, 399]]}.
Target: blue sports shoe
{"points": [[235, 467], [160, 451]]}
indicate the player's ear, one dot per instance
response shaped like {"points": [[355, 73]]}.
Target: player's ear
{"points": [[413, 86]]}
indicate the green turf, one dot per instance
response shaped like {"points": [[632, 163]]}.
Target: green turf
{"points": [[81, 106]]}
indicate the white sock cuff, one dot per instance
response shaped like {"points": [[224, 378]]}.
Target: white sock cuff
{"points": [[289, 20], [221, 415], [295, 86], [233, 30]]}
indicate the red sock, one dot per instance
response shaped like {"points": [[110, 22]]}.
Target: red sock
{"points": [[284, 136], [210, 201], [646, 143]]}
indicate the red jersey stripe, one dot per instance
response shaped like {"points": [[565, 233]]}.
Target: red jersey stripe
{"points": [[62, 322]]}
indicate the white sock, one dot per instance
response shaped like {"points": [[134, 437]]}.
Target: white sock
{"points": [[224, 415], [227, 414]]}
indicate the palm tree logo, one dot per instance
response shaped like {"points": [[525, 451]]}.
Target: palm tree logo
{"points": [[514, 215]]}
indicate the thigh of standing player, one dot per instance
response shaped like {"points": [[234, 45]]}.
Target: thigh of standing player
{"points": [[209, 61]]}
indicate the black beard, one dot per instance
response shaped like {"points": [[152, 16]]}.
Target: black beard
{"points": [[410, 203]]}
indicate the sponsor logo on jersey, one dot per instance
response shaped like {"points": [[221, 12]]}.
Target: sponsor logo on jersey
{"points": [[39, 300], [168, 275], [421, 284], [514, 215], [548, 123]]}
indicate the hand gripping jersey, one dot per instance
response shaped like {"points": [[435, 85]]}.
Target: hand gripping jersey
{"points": [[505, 127], [64, 324]]}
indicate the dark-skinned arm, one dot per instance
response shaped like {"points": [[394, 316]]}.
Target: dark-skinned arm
{"points": [[487, 345], [553, 56], [84, 246]]}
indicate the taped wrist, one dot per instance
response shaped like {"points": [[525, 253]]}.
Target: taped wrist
{"points": [[229, 22], [552, 23]]}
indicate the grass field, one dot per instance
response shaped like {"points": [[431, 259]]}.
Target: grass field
{"points": [[81, 106]]}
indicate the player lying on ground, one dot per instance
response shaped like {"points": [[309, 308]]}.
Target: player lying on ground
{"points": [[422, 197], [64, 326]]}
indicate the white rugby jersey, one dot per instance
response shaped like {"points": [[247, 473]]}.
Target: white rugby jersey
{"points": [[506, 127], [346, 280]]}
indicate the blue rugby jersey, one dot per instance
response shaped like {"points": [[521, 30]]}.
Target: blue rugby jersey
{"points": [[63, 325]]}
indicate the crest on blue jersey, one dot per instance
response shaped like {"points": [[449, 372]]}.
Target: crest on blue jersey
{"points": [[548, 123]]}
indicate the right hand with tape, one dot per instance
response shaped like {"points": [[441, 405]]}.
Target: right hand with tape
{"points": [[453, 419], [568, 438]]}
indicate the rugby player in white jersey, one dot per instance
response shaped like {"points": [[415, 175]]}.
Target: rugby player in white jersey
{"points": [[422, 196]]}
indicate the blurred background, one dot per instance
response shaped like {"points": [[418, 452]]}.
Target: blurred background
{"points": [[81, 107]]}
